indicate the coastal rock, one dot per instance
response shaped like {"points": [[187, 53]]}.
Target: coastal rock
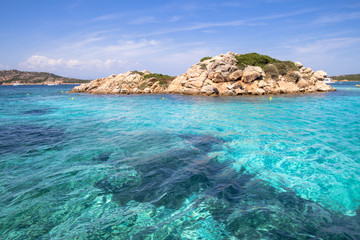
{"points": [[236, 75], [208, 90], [127, 83], [320, 75], [299, 64], [252, 73], [293, 76], [302, 84], [219, 75], [322, 87]]}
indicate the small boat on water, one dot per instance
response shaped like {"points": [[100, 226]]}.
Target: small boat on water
{"points": [[52, 84], [357, 85], [17, 84], [328, 80]]}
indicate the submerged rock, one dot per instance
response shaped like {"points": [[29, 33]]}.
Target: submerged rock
{"points": [[219, 75]]}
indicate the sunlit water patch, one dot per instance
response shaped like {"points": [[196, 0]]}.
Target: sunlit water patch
{"points": [[78, 166]]}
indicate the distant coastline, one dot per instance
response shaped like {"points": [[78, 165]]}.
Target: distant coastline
{"points": [[346, 78], [11, 77]]}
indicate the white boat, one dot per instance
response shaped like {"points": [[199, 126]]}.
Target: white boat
{"points": [[328, 80], [17, 84], [52, 84]]}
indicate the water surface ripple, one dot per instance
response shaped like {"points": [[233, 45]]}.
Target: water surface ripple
{"points": [[182, 167]]}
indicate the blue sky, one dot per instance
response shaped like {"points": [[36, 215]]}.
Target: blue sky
{"points": [[93, 38]]}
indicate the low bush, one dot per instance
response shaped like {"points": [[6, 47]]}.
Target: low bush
{"points": [[204, 58], [157, 76], [162, 83], [254, 59], [271, 70], [135, 71], [284, 67], [164, 80]]}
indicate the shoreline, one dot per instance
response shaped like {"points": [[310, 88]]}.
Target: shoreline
{"points": [[212, 95]]}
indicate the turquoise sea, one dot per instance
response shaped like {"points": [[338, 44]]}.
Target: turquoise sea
{"points": [[182, 167]]}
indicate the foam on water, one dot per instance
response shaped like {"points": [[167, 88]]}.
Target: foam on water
{"points": [[186, 167]]}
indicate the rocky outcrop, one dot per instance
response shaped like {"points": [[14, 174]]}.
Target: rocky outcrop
{"points": [[219, 75], [132, 82]]}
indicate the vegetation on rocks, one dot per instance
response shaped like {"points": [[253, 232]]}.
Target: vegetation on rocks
{"points": [[271, 70], [157, 76], [137, 72], [270, 65], [163, 80], [204, 58], [254, 59], [285, 66]]}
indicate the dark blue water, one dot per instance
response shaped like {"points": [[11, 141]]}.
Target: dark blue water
{"points": [[79, 166]]}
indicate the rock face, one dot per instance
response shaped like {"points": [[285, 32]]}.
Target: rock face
{"points": [[132, 82], [219, 75]]}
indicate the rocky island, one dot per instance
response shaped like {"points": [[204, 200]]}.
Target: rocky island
{"points": [[225, 74]]}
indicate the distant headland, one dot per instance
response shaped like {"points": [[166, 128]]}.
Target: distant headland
{"points": [[225, 74], [346, 77], [11, 77]]}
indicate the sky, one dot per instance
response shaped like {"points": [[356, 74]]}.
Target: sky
{"points": [[95, 38]]}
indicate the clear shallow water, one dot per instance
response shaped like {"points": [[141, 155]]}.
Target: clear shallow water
{"points": [[186, 167]]}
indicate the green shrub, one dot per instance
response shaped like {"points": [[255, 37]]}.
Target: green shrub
{"points": [[203, 66], [281, 68], [135, 71], [163, 80], [205, 58], [271, 70], [254, 59], [157, 76], [284, 67]]}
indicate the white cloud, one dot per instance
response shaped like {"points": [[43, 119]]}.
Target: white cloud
{"points": [[43, 63]]}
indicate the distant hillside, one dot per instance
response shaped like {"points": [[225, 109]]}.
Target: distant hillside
{"points": [[8, 77], [349, 77]]}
